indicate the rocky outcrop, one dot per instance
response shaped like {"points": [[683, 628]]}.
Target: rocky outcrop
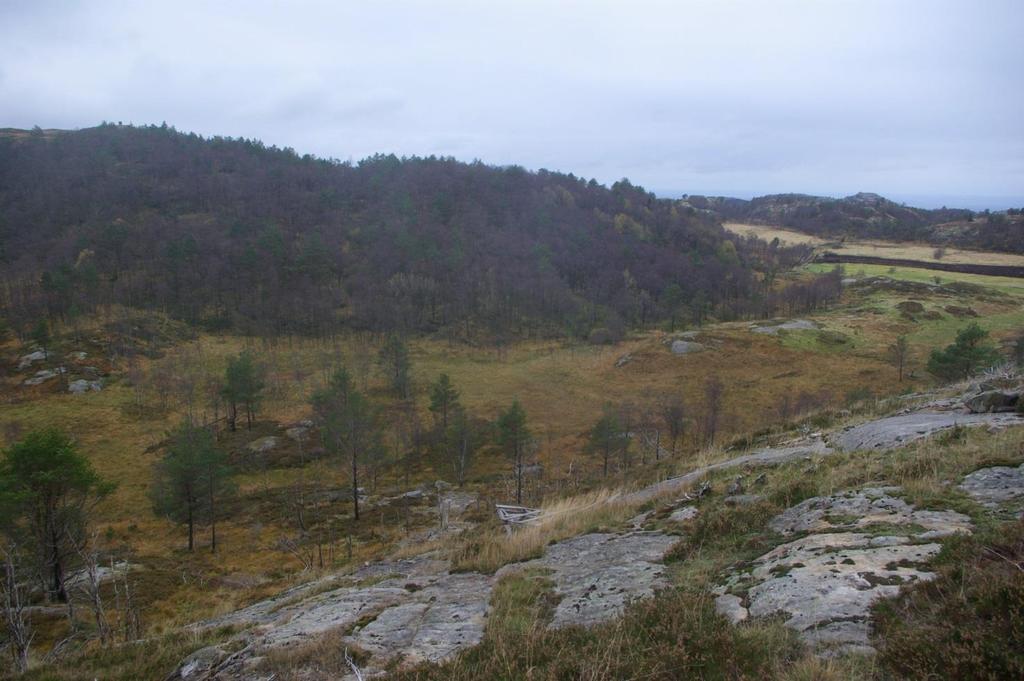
{"points": [[408, 611], [82, 386], [998, 488], [263, 445], [31, 358], [992, 401], [684, 347], [910, 307], [897, 431], [596, 575], [792, 325], [804, 448], [44, 375], [862, 545]]}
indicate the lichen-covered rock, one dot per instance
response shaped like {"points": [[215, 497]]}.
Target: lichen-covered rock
{"points": [[597, 575], [792, 325], [82, 386], [31, 358], [862, 508], [408, 611], [400, 611], [199, 664], [263, 444], [682, 347], [683, 514], [862, 545], [44, 375], [910, 307], [991, 401], [897, 431], [997, 487]]}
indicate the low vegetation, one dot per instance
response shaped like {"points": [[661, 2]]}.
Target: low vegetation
{"points": [[969, 621], [227, 435]]}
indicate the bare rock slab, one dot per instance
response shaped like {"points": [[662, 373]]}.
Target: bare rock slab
{"points": [[792, 325], [442, 618], [597, 575], [825, 582], [685, 347], [897, 431], [990, 401], [997, 487], [401, 612], [863, 508]]}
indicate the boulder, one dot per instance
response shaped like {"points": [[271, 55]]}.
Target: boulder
{"points": [[200, 664], [991, 401], [898, 431], [263, 444], [961, 312], [996, 487], [297, 433], [683, 514], [910, 307], [82, 386], [792, 325], [44, 375], [743, 499], [682, 347], [30, 359], [731, 608], [624, 360], [597, 575], [846, 551]]}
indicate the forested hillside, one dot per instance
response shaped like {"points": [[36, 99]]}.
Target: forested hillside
{"points": [[230, 233], [867, 215]]}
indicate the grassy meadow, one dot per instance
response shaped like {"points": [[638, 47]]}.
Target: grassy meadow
{"points": [[876, 248], [769, 383]]}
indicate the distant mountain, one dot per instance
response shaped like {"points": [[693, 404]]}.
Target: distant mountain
{"points": [[868, 215], [230, 233]]}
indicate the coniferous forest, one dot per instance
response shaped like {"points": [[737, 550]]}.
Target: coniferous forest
{"points": [[231, 234]]}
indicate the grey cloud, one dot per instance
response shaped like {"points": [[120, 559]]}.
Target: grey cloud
{"points": [[905, 97]]}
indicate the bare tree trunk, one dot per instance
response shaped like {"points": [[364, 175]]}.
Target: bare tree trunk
{"points": [[90, 560], [355, 487], [519, 475], [19, 634], [191, 528]]}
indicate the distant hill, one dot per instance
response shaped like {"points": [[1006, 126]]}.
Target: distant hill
{"points": [[231, 233], [867, 215]]}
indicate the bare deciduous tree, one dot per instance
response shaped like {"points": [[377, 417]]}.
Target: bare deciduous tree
{"points": [[899, 353], [673, 415], [713, 390], [19, 633]]}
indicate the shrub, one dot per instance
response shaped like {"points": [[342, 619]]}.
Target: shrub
{"points": [[966, 355], [675, 635], [966, 624]]}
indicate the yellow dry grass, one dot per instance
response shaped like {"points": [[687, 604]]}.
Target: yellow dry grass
{"points": [[562, 386], [876, 247], [559, 520]]}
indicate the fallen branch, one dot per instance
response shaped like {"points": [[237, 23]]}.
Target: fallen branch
{"points": [[353, 666]]}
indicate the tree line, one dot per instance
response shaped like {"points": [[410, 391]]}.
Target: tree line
{"points": [[232, 234]]}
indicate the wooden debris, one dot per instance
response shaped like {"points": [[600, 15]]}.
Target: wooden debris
{"points": [[516, 515]]}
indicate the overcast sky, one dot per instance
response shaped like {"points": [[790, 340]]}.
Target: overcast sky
{"points": [[919, 100]]}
